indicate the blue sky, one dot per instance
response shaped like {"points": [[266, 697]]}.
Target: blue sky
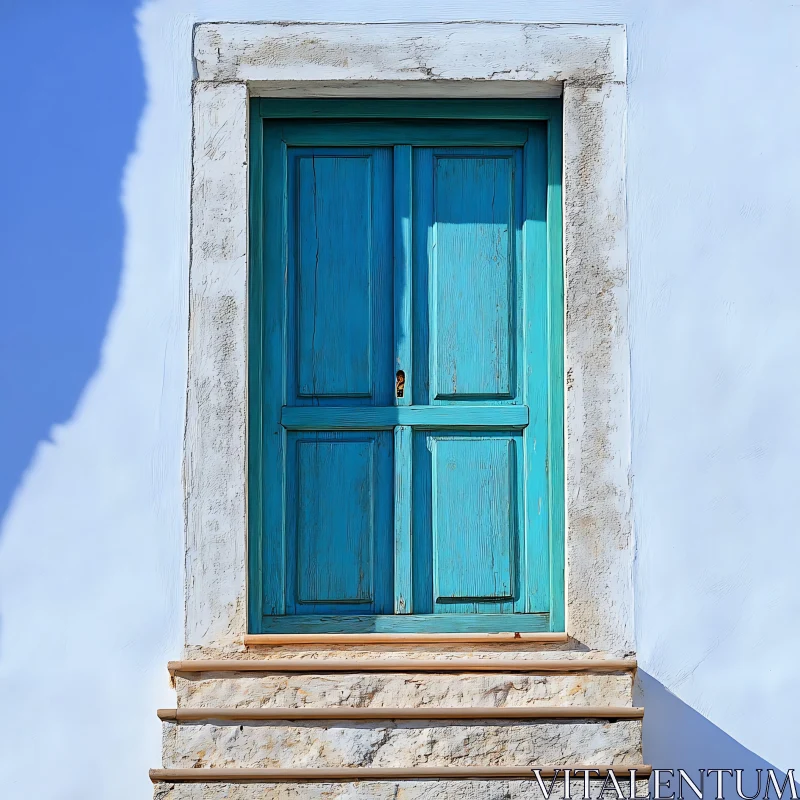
{"points": [[73, 90]]}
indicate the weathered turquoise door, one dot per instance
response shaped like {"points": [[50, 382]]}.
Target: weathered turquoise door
{"points": [[406, 417]]}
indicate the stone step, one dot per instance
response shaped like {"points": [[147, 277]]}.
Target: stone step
{"points": [[374, 661], [375, 678], [238, 714], [212, 785], [388, 714], [412, 690], [400, 743]]}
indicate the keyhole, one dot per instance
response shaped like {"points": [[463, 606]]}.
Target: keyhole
{"points": [[400, 383]]}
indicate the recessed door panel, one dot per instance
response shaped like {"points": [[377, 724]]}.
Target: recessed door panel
{"points": [[339, 493], [472, 235], [468, 503], [339, 272], [335, 521], [473, 490]]}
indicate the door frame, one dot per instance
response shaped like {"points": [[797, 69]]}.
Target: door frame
{"points": [[586, 66], [263, 348]]}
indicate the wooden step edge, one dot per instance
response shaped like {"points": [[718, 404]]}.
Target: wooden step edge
{"points": [[325, 775], [275, 639], [403, 665], [342, 713]]}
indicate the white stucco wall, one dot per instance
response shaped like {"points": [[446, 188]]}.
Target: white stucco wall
{"points": [[91, 548]]}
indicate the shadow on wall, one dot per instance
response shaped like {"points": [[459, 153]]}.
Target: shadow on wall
{"points": [[73, 90], [678, 737]]}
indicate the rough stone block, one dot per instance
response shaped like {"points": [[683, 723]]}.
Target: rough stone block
{"points": [[401, 743], [403, 690]]}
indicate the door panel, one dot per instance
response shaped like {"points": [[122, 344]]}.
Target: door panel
{"points": [[334, 235], [335, 521], [467, 235], [472, 276], [474, 518], [468, 552], [340, 275], [339, 504]]}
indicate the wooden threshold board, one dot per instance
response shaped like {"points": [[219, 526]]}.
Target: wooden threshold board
{"points": [[323, 775], [404, 665], [271, 639], [341, 713]]}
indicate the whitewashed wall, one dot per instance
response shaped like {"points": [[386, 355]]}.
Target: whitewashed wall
{"points": [[95, 528]]}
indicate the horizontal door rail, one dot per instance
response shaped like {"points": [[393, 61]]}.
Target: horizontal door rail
{"points": [[419, 108], [316, 665], [334, 713], [274, 639], [348, 418], [387, 133], [324, 775], [396, 624]]}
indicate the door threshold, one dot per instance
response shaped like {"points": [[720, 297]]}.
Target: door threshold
{"points": [[511, 637]]}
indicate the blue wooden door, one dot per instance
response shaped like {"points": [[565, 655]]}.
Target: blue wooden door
{"points": [[468, 540], [402, 412], [338, 351]]}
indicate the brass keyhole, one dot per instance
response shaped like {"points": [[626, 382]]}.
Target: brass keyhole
{"points": [[400, 383]]}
